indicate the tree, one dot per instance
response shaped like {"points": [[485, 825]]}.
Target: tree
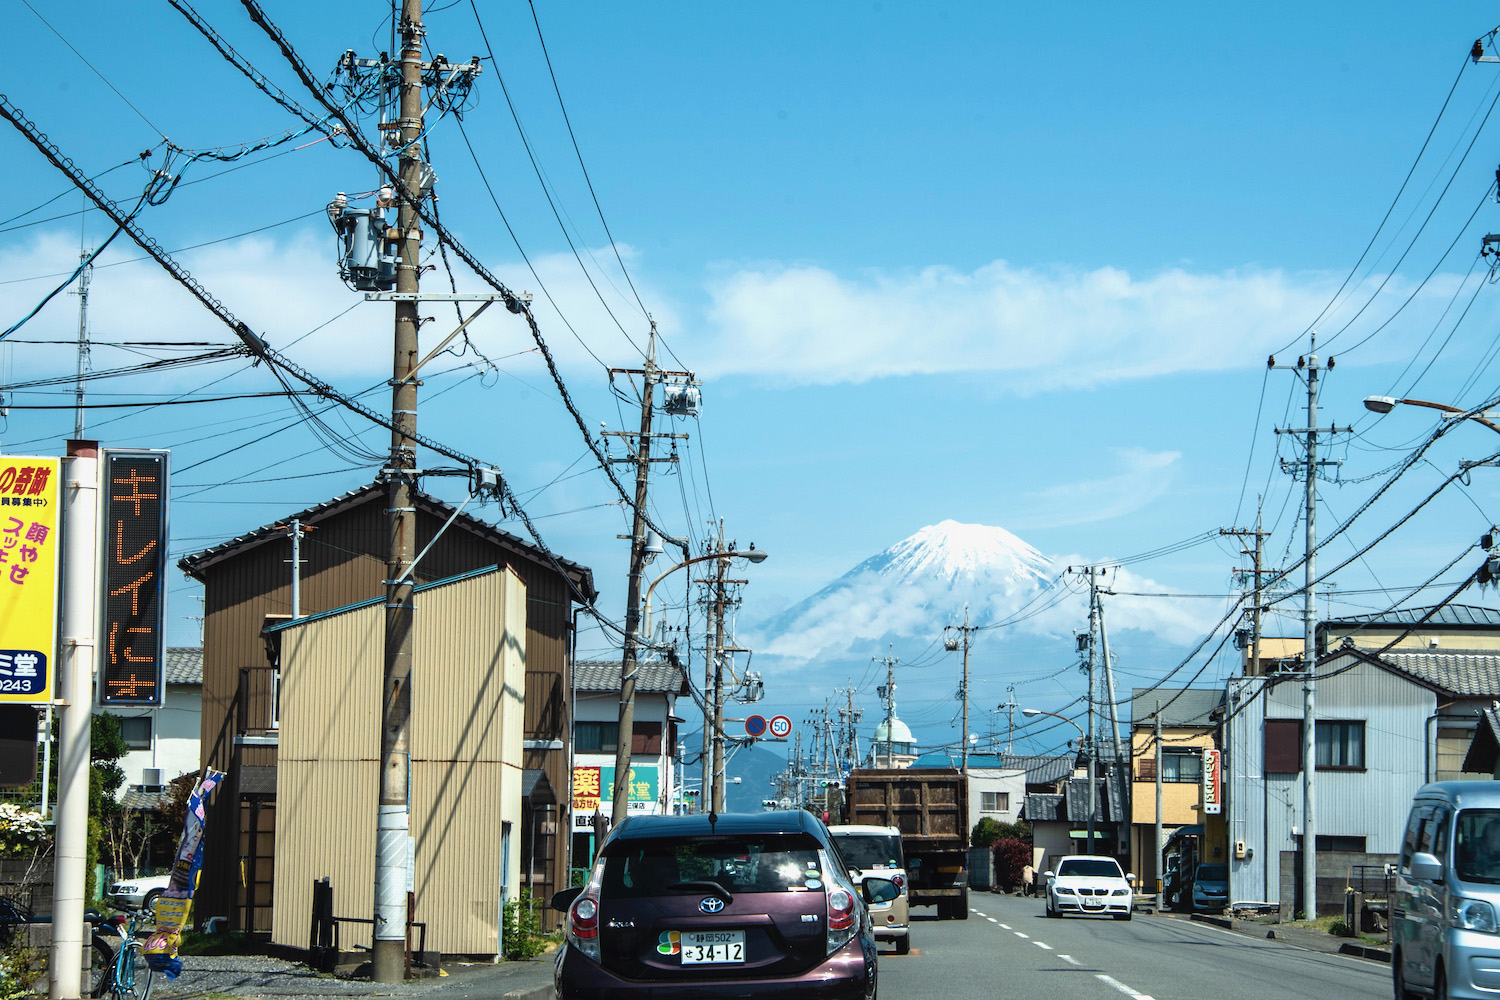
{"points": [[986, 832], [1011, 856]]}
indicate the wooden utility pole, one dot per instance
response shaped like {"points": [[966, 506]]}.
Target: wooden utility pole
{"points": [[388, 955]]}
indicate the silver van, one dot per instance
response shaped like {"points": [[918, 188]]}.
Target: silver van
{"points": [[1445, 907]]}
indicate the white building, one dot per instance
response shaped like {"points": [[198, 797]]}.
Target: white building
{"points": [[164, 740], [596, 729], [997, 788], [893, 745]]}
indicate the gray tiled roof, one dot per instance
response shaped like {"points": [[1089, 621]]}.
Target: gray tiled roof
{"points": [[1041, 769], [184, 665], [1449, 614], [1467, 673], [1072, 804], [1179, 706], [652, 676]]}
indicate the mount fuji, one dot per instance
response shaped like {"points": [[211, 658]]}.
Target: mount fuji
{"points": [[912, 588]]}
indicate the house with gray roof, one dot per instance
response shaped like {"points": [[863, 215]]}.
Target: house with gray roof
{"points": [[655, 778], [1387, 721], [164, 739]]}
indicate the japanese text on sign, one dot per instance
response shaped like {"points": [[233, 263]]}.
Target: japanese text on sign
{"points": [[28, 576], [134, 541]]}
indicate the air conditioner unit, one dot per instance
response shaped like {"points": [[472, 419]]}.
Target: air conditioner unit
{"points": [[150, 777]]}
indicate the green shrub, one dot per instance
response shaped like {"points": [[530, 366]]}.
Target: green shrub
{"points": [[521, 931], [1340, 929]]}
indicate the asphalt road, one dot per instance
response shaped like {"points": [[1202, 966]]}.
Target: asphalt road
{"points": [[1007, 948]]}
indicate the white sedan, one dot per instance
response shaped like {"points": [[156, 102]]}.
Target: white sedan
{"points": [[1090, 884], [139, 893]]}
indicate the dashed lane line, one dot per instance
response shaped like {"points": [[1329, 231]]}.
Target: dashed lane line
{"points": [[1070, 959], [1111, 981], [1043, 945], [992, 920], [1024, 937], [1006, 926]]}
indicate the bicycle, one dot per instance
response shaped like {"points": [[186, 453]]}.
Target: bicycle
{"points": [[128, 976]]}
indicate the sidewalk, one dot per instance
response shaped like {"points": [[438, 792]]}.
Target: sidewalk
{"points": [[1310, 938], [262, 976]]}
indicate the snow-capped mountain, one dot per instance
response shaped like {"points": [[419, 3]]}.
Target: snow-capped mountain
{"points": [[912, 587]]}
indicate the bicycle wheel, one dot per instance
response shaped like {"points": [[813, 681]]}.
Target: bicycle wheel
{"points": [[132, 978], [101, 966]]}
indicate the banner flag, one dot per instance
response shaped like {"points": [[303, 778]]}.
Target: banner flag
{"points": [[176, 900]]}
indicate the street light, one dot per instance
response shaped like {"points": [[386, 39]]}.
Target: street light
{"points": [[627, 690], [1088, 756], [1385, 404]]}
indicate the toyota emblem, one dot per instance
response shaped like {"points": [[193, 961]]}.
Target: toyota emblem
{"points": [[711, 904]]}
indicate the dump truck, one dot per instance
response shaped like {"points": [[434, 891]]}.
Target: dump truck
{"points": [[931, 809]]}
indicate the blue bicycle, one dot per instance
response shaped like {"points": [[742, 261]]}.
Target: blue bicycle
{"points": [[129, 976]]}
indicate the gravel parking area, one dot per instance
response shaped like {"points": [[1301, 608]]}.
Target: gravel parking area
{"points": [[262, 976]]}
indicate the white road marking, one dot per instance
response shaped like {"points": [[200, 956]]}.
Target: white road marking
{"points": [[981, 914], [1042, 944], [1122, 987], [992, 920], [1070, 959], [1006, 926], [1026, 937]]}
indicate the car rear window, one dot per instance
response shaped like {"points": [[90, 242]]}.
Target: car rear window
{"points": [[669, 865], [1089, 868], [870, 850]]}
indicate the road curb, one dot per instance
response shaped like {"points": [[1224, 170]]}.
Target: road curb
{"points": [[541, 991], [1362, 951], [1204, 918]]}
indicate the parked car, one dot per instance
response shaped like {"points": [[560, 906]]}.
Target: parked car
{"points": [[876, 851], [138, 893], [1089, 884], [703, 905], [1447, 893], [1211, 888]]}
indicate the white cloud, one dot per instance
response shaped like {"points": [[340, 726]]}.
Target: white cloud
{"points": [[1143, 476], [1041, 328]]}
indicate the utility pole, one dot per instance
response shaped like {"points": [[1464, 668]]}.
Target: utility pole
{"points": [[1308, 368], [717, 659], [1092, 573], [1009, 708], [888, 695], [963, 691], [1156, 864], [1257, 555], [1117, 761], [84, 277], [388, 954], [650, 376]]}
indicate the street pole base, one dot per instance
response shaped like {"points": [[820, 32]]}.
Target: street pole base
{"points": [[388, 962]]}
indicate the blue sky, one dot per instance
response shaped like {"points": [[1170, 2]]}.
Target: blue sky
{"points": [[1018, 265]]}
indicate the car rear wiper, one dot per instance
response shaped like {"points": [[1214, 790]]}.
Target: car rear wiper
{"points": [[707, 886]]}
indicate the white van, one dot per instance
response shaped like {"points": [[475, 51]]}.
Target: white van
{"points": [[1445, 907]]}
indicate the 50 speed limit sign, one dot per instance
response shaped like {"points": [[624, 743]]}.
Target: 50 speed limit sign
{"points": [[781, 726]]}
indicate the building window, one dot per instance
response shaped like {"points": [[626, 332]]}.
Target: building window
{"points": [[275, 700], [1340, 746], [994, 802], [136, 732], [596, 737], [1283, 746], [1346, 845], [1183, 767]]}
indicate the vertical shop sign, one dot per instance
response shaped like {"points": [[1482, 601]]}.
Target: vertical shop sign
{"points": [[134, 540], [29, 513]]}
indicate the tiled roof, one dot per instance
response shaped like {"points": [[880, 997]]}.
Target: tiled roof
{"points": [[135, 798], [1042, 769], [1461, 615], [1179, 706], [948, 758], [651, 677], [194, 565], [1484, 748], [1072, 805], [1466, 673], [184, 665]]}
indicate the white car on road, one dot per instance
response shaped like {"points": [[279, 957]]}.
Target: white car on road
{"points": [[1089, 884]]}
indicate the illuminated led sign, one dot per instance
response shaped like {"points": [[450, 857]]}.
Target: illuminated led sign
{"points": [[134, 541]]}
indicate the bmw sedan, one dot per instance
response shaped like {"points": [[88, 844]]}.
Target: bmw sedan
{"points": [[1089, 884]]}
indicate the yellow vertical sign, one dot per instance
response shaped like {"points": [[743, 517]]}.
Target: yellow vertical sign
{"points": [[29, 543]]}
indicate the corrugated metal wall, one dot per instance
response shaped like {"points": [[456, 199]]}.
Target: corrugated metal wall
{"points": [[339, 569], [466, 753]]}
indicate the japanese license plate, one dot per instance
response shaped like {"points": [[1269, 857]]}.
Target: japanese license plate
{"points": [[1093, 903], [704, 947]]}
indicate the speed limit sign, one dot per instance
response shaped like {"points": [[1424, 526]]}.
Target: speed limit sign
{"points": [[781, 726]]}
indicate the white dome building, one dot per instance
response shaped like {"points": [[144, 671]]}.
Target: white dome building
{"points": [[893, 745]]}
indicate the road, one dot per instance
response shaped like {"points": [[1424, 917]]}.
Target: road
{"points": [[1008, 948]]}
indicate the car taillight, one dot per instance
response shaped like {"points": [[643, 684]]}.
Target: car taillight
{"points": [[583, 926], [900, 881], [841, 918]]}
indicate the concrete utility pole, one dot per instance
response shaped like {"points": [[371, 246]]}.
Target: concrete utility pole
{"points": [[1092, 573], [963, 691], [888, 695], [388, 954], [1118, 762], [650, 376], [1156, 864], [84, 277], [1308, 366], [717, 659], [1257, 555], [80, 613]]}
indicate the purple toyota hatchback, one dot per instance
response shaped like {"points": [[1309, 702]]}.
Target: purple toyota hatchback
{"points": [[719, 906]]}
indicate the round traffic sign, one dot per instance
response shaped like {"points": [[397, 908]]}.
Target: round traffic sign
{"points": [[756, 725], [781, 726]]}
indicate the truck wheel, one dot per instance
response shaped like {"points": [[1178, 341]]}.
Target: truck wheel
{"points": [[961, 906], [903, 945]]}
